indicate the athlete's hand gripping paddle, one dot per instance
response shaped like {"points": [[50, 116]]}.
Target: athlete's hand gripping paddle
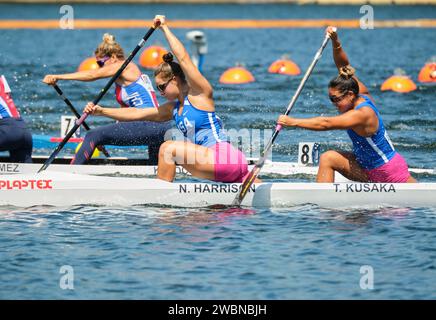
{"points": [[70, 105]]}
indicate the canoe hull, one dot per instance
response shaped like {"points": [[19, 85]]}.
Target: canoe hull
{"points": [[62, 189]]}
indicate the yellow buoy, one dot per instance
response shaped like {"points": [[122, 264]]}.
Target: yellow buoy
{"points": [[152, 57], [399, 82], [95, 154], [284, 66], [88, 64], [236, 75], [428, 73]]}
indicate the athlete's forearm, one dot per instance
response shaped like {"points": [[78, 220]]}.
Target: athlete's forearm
{"points": [[80, 76], [176, 46], [316, 124], [339, 55], [131, 114]]}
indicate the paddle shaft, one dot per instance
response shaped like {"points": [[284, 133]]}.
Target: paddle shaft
{"points": [[79, 121], [249, 180], [70, 105]]}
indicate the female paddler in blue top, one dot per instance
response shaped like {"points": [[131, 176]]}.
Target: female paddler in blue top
{"points": [[374, 158], [206, 152]]}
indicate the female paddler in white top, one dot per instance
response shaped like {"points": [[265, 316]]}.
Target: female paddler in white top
{"points": [[206, 152]]}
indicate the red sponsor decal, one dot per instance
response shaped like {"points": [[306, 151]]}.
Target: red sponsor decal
{"points": [[25, 184]]}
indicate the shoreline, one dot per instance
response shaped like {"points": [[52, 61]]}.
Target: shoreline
{"points": [[217, 24]]}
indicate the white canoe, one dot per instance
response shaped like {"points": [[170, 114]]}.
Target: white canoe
{"points": [[66, 189], [141, 167]]}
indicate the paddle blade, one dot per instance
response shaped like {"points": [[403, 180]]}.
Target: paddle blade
{"points": [[48, 161], [62, 143], [246, 185]]}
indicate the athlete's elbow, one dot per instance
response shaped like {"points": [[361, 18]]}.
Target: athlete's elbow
{"points": [[161, 117], [145, 115], [208, 91], [139, 115], [182, 55], [89, 76], [324, 124]]}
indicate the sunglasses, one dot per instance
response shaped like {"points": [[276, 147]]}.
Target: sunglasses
{"points": [[336, 99], [162, 87], [102, 61]]}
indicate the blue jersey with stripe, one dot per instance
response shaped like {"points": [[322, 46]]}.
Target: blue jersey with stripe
{"points": [[138, 94], [200, 127], [376, 150]]}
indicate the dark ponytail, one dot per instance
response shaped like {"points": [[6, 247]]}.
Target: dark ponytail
{"points": [[169, 68], [345, 81]]}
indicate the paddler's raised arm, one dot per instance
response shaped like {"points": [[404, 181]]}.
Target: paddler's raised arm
{"points": [[197, 82], [340, 57]]}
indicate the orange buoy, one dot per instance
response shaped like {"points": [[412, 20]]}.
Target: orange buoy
{"points": [[152, 57], [284, 66], [236, 75], [88, 64], [428, 73], [399, 82]]}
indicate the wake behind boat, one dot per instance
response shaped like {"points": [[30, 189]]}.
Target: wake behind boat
{"points": [[66, 189]]}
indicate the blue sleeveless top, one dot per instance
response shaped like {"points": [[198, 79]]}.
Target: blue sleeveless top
{"points": [[376, 150], [200, 127]]}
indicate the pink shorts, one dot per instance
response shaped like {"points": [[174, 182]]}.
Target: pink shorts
{"points": [[230, 163], [395, 171]]}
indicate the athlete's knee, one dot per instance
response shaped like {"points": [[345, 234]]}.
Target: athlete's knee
{"points": [[167, 151], [411, 180], [92, 135], [91, 139], [166, 146], [328, 158]]}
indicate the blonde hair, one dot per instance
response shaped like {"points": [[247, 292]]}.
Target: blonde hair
{"points": [[109, 47]]}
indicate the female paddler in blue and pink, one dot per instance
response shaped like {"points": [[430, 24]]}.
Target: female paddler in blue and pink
{"points": [[206, 152], [374, 158]]}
